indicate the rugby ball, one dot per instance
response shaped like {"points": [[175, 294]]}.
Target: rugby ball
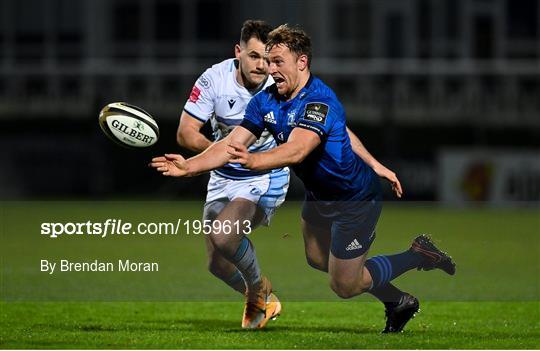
{"points": [[128, 125]]}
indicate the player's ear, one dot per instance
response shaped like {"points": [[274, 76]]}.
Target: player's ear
{"points": [[302, 62], [237, 50]]}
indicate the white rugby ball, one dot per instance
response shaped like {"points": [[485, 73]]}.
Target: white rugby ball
{"points": [[128, 125]]}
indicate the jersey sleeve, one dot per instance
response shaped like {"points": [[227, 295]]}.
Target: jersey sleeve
{"points": [[200, 104], [318, 116], [253, 119]]}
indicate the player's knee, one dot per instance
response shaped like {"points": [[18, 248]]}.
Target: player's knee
{"points": [[222, 245], [342, 290], [346, 289]]}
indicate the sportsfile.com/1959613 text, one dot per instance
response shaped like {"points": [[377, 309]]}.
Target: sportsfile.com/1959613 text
{"points": [[120, 227]]}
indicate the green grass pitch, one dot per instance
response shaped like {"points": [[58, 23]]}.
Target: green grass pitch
{"points": [[493, 302]]}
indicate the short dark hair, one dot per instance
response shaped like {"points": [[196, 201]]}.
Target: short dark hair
{"points": [[292, 37], [255, 29]]}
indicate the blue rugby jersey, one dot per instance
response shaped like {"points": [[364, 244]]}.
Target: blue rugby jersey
{"points": [[330, 172]]}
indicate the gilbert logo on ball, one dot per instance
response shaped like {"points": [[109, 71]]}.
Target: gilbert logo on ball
{"points": [[128, 125]]}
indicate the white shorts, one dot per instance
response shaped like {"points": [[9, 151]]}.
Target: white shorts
{"points": [[268, 191]]}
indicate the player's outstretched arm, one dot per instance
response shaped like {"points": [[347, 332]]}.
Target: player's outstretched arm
{"points": [[378, 167], [173, 165], [213, 157], [300, 144]]}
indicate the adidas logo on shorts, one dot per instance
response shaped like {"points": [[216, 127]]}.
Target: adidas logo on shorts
{"points": [[355, 245]]}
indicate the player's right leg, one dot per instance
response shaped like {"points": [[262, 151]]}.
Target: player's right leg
{"points": [[261, 304], [400, 306], [400, 311], [317, 231], [316, 244], [433, 257], [252, 200], [218, 265], [352, 274]]}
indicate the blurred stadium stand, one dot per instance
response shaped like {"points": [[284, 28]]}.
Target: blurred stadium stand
{"points": [[416, 77]]}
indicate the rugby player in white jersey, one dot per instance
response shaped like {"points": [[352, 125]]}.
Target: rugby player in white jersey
{"points": [[221, 95]]}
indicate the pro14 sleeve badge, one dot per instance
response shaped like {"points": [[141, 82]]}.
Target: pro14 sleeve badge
{"points": [[316, 112]]}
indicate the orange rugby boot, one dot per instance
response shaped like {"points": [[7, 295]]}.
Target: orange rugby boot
{"points": [[261, 306]]}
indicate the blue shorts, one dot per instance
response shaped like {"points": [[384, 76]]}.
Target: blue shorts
{"points": [[351, 223]]}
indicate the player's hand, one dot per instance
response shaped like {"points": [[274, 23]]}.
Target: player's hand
{"points": [[239, 154], [387, 174], [173, 165]]}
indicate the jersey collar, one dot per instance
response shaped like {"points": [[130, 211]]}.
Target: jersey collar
{"points": [[305, 90]]}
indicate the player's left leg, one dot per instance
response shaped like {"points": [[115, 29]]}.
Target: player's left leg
{"points": [[256, 200], [261, 303], [231, 240], [350, 277], [316, 231], [316, 245], [400, 311], [223, 269], [353, 232], [252, 203], [218, 265], [352, 273], [352, 235]]}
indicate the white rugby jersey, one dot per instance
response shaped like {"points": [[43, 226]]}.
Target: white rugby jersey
{"points": [[217, 96]]}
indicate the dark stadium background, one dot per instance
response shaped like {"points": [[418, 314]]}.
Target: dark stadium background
{"points": [[445, 92], [417, 77]]}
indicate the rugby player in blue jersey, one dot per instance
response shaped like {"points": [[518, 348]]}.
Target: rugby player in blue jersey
{"points": [[343, 195]]}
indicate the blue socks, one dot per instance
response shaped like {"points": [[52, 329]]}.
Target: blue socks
{"points": [[236, 281], [246, 261], [384, 268]]}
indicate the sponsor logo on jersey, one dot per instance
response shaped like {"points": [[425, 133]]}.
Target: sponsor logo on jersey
{"points": [[231, 103], [195, 93], [204, 82], [269, 118], [316, 112]]}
